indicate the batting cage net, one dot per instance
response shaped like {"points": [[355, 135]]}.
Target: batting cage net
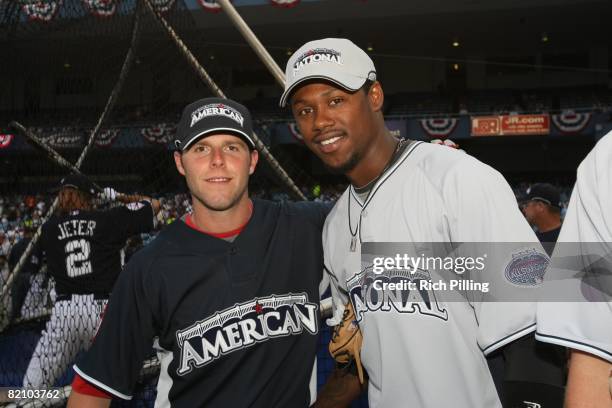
{"points": [[104, 85]]}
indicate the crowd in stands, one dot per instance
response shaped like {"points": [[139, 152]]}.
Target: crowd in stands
{"points": [[418, 104], [18, 212], [21, 212], [499, 102], [415, 104]]}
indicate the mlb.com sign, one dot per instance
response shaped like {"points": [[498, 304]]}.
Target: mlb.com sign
{"points": [[510, 125]]}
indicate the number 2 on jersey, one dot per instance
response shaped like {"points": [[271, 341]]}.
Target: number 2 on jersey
{"points": [[77, 260]]}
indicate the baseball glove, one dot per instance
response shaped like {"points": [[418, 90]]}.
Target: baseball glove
{"points": [[345, 344]]}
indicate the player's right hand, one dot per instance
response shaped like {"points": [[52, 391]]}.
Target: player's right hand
{"points": [[108, 194]]}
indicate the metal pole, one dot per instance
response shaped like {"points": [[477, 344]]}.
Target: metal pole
{"points": [[253, 41], [203, 74], [110, 103]]}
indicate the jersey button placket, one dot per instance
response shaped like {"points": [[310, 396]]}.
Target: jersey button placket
{"points": [[240, 269]]}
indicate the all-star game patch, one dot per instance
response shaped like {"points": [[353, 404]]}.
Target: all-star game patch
{"points": [[527, 268]]}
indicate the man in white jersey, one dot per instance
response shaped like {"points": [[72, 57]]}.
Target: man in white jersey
{"points": [[423, 353], [585, 326]]}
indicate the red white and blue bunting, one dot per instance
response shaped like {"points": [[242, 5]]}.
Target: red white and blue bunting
{"points": [[41, 10], [285, 3], [160, 134], [101, 8], [106, 137], [60, 137], [439, 128], [295, 132], [5, 140], [210, 5], [46, 10], [571, 122]]}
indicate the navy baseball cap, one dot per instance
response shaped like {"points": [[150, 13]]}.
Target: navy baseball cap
{"points": [[544, 192], [78, 182], [211, 116]]}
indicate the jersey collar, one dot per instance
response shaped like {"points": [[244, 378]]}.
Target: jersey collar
{"points": [[222, 235], [386, 174]]}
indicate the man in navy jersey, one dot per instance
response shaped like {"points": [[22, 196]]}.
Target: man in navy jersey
{"points": [[230, 292], [82, 247]]}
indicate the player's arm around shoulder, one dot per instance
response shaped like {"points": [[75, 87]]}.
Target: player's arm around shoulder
{"points": [[482, 205]]}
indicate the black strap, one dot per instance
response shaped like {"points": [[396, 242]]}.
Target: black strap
{"points": [[68, 296]]}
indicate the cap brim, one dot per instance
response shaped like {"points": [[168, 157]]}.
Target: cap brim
{"points": [[71, 186], [194, 138], [77, 188], [522, 199], [56, 189], [353, 86]]}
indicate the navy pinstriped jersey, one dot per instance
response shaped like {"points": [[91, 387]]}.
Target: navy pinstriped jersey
{"points": [[237, 321], [83, 248]]}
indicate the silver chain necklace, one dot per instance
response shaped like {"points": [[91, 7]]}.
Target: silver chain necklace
{"points": [[353, 246]]}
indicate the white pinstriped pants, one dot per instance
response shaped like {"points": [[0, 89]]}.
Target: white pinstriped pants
{"points": [[70, 329]]}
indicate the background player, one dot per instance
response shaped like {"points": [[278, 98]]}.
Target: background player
{"points": [[585, 327], [230, 290], [430, 355], [534, 371], [542, 208], [82, 247]]}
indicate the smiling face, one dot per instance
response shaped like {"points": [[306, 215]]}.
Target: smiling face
{"points": [[337, 125], [217, 170]]}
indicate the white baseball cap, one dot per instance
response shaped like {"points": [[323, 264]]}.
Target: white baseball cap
{"points": [[334, 59]]}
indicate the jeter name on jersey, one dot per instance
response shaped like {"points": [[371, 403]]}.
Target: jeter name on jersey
{"points": [[83, 248]]}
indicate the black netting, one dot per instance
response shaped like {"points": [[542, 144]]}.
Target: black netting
{"points": [[65, 70]]}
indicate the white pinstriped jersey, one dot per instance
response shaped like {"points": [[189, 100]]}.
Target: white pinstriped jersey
{"points": [[586, 326], [434, 354]]}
